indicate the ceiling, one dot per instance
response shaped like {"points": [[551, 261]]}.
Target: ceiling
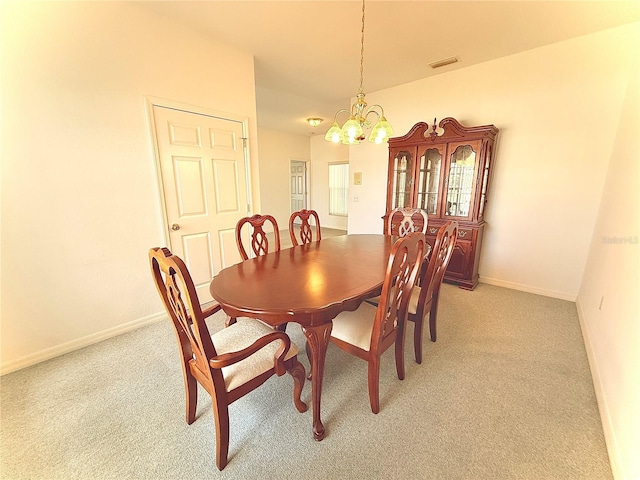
{"points": [[307, 53]]}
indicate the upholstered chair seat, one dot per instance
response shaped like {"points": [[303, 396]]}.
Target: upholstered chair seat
{"points": [[355, 327], [241, 335], [413, 300]]}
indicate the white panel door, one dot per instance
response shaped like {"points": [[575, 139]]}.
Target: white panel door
{"points": [[298, 186], [205, 190]]}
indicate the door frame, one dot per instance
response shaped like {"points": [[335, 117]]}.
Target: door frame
{"points": [[151, 102], [307, 181]]}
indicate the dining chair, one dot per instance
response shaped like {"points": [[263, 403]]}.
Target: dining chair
{"points": [[424, 297], [369, 331], [259, 240], [304, 232], [401, 221], [228, 364]]}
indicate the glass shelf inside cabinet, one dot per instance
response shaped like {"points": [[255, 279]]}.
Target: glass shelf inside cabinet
{"points": [[429, 180], [402, 175], [460, 184]]}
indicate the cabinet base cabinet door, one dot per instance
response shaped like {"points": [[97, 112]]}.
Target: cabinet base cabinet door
{"points": [[459, 264], [463, 266], [460, 269]]}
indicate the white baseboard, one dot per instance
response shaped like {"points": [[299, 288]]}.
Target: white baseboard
{"points": [[529, 289], [49, 353], [617, 467]]}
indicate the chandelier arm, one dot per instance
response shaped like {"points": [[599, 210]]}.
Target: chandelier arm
{"points": [[381, 114], [371, 110], [335, 117]]}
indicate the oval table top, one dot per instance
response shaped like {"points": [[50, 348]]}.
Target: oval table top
{"points": [[308, 284]]}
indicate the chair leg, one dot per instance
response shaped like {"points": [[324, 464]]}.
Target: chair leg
{"points": [[433, 313], [297, 372], [191, 394], [419, 327], [400, 354], [221, 416], [229, 321], [417, 336], [374, 384]]}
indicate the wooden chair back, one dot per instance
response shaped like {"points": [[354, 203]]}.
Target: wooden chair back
{"points": [[178, 293], [425, 297], [305, 230], [440, 256], [259, 240], [402, 221], [402, 269]]}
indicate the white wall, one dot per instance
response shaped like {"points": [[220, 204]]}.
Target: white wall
{"points": [[325, 153], [80, 206], [277, 149], [608, 299], [557, 108]]}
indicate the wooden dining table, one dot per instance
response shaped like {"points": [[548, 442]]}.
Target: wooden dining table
{"points": [[310, 285]]}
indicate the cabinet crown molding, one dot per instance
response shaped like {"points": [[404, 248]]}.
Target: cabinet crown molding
{"points": [[449, 129]]}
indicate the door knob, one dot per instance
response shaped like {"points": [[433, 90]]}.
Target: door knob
{"points": [[175, 227]]}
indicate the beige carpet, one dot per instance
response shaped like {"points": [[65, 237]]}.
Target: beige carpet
{"points": [[505, 393]]}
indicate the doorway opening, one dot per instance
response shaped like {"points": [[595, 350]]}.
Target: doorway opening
{"points": [[299, 183]]}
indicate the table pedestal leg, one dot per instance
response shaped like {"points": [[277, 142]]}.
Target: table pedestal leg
{"points": [[318, 340]]}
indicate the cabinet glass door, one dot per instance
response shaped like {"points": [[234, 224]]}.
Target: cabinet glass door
{"points": [[460, 182], [429, 180], [402, 179]]}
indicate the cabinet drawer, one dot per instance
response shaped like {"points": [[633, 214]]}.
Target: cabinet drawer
{"points": [[432, 231], [463, 233]]}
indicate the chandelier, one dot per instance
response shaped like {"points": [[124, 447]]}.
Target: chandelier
{"points": [[352, 132]]}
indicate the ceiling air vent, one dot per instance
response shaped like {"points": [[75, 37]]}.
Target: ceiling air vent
{"points": [[443, 62]]}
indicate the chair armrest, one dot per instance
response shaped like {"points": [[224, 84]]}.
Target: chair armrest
{"points": [[227, 359], [210, 308]]}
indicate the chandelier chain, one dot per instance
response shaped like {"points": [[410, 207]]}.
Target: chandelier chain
{"points": [[360, 115], [362, 51]]}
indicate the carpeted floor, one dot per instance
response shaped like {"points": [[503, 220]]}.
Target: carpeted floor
{"points": [[505, 393]]}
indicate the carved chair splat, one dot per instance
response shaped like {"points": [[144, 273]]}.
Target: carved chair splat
{"points": [[304, 232]]}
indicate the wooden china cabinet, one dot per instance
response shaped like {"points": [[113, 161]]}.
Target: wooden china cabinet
{"points": [[445, 170]]}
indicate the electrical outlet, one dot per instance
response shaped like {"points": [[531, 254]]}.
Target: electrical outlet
{"points": [[356, 198]]}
